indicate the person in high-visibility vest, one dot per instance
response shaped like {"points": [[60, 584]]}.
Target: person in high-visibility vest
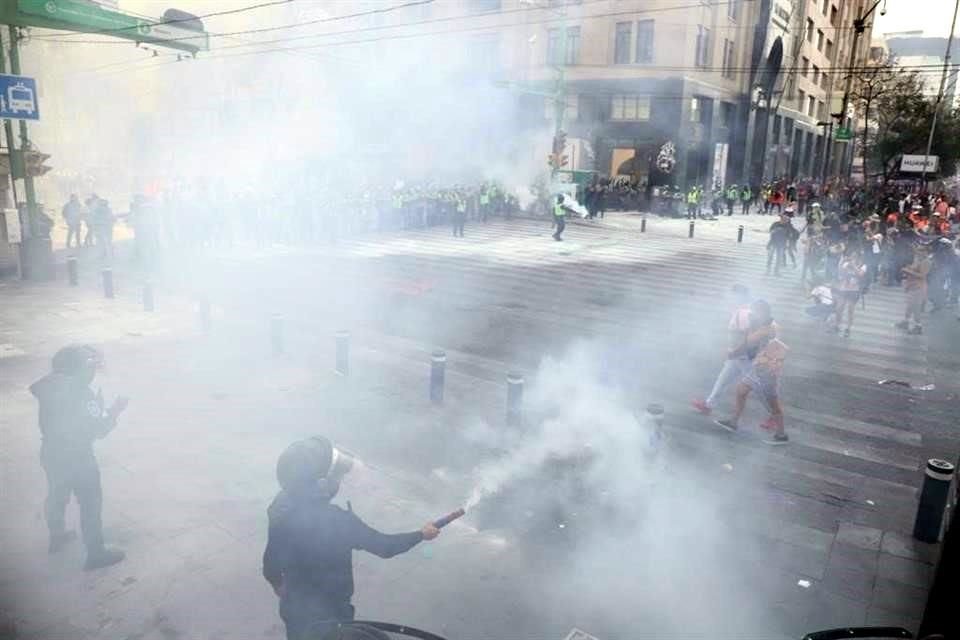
{"points": [[693, 200], [559, 217], [733, 194], [459, 215]]}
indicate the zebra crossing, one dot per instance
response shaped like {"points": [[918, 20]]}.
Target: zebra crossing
{"points": [[660, 296]]}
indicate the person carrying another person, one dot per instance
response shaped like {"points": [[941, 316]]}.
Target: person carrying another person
{"points": [[767, 354]]}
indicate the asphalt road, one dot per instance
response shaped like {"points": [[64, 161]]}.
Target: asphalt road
{"points": [[714, 535]]}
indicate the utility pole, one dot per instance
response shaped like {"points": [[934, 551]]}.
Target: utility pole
{"points": [[859, 27], [936, 107], [28, 187], [8, 131]]}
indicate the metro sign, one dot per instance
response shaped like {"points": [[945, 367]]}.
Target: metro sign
{"points": [[87, 17]]}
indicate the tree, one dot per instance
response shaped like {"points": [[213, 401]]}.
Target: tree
{"points": [[897, 114]]}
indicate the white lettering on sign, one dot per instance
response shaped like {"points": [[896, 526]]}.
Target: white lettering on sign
{"points": [[919, 164]]}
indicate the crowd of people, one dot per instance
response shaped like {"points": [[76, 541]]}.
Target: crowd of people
{"points": [[199, 218]]}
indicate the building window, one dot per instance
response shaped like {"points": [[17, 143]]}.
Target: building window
{"points": [[635, 108], [821, 108], [823, 8], [729, 58], [694, 109], [833, 15], [805, 67], [702, 53], [825, 80], [573, 45], [727, 110], [621, 43], [801, 98], [816, 74], [819, 39], [733, 9], [829, 50], [809, 30], [645, 41], [553, 46], [811, 105]]}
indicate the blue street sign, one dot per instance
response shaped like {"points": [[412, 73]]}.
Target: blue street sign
{"points": [[18, 98]]}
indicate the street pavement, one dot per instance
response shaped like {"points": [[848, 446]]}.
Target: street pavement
{"points": [[738, 540]]}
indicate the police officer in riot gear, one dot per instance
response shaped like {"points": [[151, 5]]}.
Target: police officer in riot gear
{"points": [[71, 418], [309, 556]]}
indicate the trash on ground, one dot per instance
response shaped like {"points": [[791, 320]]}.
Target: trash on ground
{"points": [[901, 383], [727, 466], [804, 583]]}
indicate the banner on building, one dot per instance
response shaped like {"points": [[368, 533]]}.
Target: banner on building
{"points": [[720, 152]]}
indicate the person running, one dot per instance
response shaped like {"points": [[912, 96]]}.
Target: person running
{"points": [[733, 368], [848, 288], [767, 354], [915, 286]]}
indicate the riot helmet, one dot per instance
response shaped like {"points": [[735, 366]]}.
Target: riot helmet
{"points": [[78, 361], [313, 463]]}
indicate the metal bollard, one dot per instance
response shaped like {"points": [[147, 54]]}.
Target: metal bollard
{"points": [[148, 296], [740, 233], [276, 334], [343, 353], [643, 224], [107, 283], [514, 399], [438, 366], [933, 500], [690, 232], [205, 314], [72, 271], [655, 423]]}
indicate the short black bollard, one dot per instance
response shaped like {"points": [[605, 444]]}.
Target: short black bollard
{"points": [[740, 233], [276, 334], [933, 500], [643, 224], [690, 232], [107, 283], [514, 399], [438, 366], [205, 314], [343, 353], [148, 296], [72, 271]]}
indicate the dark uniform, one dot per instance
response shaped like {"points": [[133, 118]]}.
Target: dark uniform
{"points": [[309, 556], [71, 418]]}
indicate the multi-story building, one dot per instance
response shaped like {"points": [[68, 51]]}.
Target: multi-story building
{"points": [[924, 55], [805, 106], [639, 74]]}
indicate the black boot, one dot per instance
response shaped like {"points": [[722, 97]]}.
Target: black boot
{"points": [[103, 557]]}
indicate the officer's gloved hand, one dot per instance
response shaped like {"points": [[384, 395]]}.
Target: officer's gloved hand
{"points": [[429, 532]]}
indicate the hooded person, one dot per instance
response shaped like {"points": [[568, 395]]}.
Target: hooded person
{"points": [[71, 418], [310, 541]]}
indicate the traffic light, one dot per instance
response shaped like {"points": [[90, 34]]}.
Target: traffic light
{"points": [[559, 143], [34, 163]]}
